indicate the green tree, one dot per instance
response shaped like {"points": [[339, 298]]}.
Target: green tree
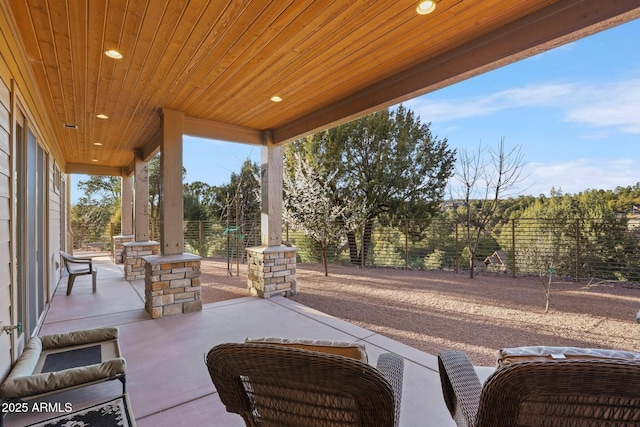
{"points": [[155, 185], [239, 200], [580, 234], [89, 221], [196, 214], [387, 162], [237, 205], [97, 208], [154, 196], [105, 189]]}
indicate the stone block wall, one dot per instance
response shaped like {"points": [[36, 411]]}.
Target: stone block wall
{"points": [[271, 271], [133, 254], [172, 284], [118, 247]]}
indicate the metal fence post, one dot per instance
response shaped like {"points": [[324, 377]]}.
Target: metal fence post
{"points": [[406, 244], [457, 252], [513, 246], [201, 237], [111, 234], [578, 250]]}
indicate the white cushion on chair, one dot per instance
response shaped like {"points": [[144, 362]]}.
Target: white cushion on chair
{"points": [[353, 350]]}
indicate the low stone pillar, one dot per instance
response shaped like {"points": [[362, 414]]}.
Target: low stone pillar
{"points": [[118, 247], [172, 284], [134, 253], [271, 271]]}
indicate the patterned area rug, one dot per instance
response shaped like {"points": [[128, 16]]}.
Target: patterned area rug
{"points": [[112, 413]]}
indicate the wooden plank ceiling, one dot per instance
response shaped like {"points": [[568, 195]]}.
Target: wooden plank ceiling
{"points": [[220, 62]]}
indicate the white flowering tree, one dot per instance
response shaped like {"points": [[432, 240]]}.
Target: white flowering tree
{"points": [[311, 206]]}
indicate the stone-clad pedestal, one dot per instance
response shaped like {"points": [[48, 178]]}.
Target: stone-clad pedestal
{"points": [[172, 284], [133, 255], [118, 247], [271, 271]]}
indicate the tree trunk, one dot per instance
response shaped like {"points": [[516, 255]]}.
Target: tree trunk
{"points": [[353, 248], [323, 250], [366, 241], [472, 264]]}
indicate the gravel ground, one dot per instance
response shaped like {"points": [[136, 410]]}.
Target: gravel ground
{"points": [[433, 311]]}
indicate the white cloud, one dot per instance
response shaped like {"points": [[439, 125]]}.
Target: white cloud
{"points": [[578, 175], [612, 104], [449, 110]]}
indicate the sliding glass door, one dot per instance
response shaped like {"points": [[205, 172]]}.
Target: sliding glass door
{"points": [[31, 229]]}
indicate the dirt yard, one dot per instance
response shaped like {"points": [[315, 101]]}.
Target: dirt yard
{"points": [[433, 311]]}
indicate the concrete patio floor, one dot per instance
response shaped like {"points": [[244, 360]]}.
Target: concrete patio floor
{"points": [[167, 380]]}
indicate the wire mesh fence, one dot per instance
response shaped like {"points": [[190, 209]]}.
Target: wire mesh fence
{"points": [[574, 249]]}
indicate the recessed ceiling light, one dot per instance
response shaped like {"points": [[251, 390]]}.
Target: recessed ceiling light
{"points": [[94, 160], [276, 98], [102, 116], [98, 144], [112, 53], [426, 7]]}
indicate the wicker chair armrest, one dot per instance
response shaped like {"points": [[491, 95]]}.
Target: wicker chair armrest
{"points": [[392, 368], [461, 386]]}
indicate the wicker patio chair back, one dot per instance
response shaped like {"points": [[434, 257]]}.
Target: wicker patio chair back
{"points": [[563, 393], [274, 386], [571, 392]]}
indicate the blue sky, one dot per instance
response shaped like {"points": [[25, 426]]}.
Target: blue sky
{"points": [[574, 110]]}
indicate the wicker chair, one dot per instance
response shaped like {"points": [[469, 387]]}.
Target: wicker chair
{"points": [[574, 391], [272, 385]]}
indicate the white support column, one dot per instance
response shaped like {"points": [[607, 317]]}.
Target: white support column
{"points": [[271, 175], [127, 205], [141, 210], [172, 278], [126, 230], [271, 267], [171, 204], [134, 247]]}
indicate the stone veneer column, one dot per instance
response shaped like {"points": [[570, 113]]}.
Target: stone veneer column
{"points": [[134, 253], [172, 284], [271, 271], [118, 247]]}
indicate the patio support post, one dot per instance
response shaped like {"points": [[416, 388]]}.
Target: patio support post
{"points": [[141, 211], [272, 266], [139, 245], [172, 278], [271, 171], [127, 205], [171, 203], [126, 229]]}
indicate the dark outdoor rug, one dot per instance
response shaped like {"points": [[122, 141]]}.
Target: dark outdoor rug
{"points": [[112, 413], [72, 358]]}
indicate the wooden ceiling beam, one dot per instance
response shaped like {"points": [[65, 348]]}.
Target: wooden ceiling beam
{"points": [[84, 169], [150, 148], [557, 24], [222, 131]]}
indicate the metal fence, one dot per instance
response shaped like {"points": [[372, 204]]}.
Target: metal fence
{"points": [[576, 249]]}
